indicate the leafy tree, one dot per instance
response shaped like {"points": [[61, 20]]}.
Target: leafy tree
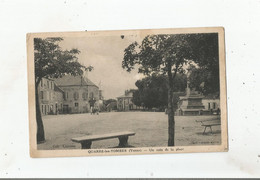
{"points": [[205, 78], [52, 62], [161, 54], [153, 90], [110, 104], [167, 55], [106, 102], [204, 81], [137, 97]]}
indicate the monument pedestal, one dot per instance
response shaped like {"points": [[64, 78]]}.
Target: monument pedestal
{"points": [[191, 105]]}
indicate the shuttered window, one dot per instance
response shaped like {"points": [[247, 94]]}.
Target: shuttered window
{"points": [[84, 95], [76, 95]]}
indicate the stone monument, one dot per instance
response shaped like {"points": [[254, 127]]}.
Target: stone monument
{"points": [[191, 104]]}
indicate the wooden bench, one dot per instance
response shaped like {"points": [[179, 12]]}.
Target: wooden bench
{"points": [[209, 123], [86, 141]]}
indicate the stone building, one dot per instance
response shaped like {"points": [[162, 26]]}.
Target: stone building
{"points": [[79, 93], [125, 102], [50, 97], [211, 104]]}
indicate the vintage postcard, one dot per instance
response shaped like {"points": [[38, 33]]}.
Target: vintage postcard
{"points": [[127, 92]]}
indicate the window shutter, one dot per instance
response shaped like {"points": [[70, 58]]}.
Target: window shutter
{"points": [[84, 95], [76, 95]]}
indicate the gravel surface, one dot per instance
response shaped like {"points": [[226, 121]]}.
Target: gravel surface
{"points": [[151, 129]]}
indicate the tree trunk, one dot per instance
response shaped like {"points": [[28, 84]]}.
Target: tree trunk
{"points": [[40, 127], [171, 122]]}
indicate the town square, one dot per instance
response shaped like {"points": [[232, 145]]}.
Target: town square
{"points": [[121, 91]]}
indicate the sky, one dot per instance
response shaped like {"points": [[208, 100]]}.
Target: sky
{"points": [[105, 54]]}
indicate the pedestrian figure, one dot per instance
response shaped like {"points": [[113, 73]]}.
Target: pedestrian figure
{"points": [[91, 110]]}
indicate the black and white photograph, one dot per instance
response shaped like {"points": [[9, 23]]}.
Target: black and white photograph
{"points": [[130, 89], [127, 92]]}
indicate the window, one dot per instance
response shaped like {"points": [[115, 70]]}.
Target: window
{"points": [[66, 95], [47, 95], [48, 84], [208, 106], [41, 82], [76, 95], [84, 95], [76, 104], [214, 105], [41, 95]]}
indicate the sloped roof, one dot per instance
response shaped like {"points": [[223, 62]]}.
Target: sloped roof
{"points": [[69, 80], [56, 88], [90, 83]]}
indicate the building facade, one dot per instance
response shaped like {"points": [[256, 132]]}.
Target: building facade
{"points": [[80, 94], [125, 102], [211, 104], [69, 94], [50, 97]]}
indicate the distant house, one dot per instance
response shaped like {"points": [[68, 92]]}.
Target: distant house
{"points": [[125, 102], [79, 93], [211, 104], [50, 97]]}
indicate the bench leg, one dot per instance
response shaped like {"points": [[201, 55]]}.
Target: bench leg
{"points": [[205, 129], [211, 130], [123, 141], [86, 145]]}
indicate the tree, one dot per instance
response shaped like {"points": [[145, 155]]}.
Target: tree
{"points": [[106, 102], [166, 54], [205, 78], [161, 54], [52, 62], [152, 91], [204, 81]]}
